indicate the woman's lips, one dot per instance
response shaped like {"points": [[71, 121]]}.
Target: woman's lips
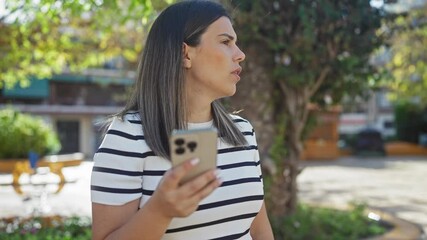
{"points": [[237, 72]]}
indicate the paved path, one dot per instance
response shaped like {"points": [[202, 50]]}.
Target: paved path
{"points": [[397, 185], [73, 199]]}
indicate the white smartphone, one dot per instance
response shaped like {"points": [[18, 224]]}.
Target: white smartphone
{"points": [[189, 144]]}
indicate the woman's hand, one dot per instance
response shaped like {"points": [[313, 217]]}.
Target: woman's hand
{"points": [[175, 200], [170, 200]]}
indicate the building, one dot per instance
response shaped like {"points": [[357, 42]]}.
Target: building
{"points": [[374, 112], [74, 105]]}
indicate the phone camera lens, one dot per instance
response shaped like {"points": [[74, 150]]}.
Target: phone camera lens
{"points": [[192, 146], [180, 151], [179, 141]]}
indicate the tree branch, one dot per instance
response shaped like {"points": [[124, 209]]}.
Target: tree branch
{"points": [[319, 81], [11, 12], [288, 98], [306, 111]]}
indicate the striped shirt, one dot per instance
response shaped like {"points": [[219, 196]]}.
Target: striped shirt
{"points": [[126, 169]]}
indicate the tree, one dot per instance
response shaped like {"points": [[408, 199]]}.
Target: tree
{"points": [[312, 52], [38, 38], [408, 61]]}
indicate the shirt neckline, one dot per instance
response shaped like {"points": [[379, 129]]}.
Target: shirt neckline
{"points": [[208, 124]]}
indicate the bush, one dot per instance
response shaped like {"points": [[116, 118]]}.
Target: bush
{"points": [[307, 223], [347, 141], [22, 133], [411, 121], [323, 224], [54, 228]]}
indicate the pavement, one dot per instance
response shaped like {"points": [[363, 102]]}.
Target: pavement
{"points": [[72, 199], [396, 185]]}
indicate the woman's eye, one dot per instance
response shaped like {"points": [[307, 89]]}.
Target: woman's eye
{"points": [[226, 42]]}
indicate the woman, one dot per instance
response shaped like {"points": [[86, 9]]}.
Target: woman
{"points": [[190, 60]]}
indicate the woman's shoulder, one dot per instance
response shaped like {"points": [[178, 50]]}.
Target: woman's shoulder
{"points": [[239, 120], [124, 134], [242, 124], [129, 122], [131, 117]]}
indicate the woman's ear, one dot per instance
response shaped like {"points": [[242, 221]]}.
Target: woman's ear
{"points": [[186, 59]]}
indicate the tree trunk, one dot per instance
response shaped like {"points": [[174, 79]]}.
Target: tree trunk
{"points": [[295, 105], [294, 144], [253, 99], [284, 190]]}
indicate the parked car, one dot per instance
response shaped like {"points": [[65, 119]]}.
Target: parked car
{"points": [[369, 141]]}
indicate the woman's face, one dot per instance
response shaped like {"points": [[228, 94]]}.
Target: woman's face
{"points": [[213, 67]]}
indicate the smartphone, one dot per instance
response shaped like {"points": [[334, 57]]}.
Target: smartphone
{"points": [[197, 143]]}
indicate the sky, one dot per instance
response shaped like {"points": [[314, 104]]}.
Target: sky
{"points": [[2, 7], [402, 5]]}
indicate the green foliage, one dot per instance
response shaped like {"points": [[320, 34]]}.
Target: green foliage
{"points": [[410, 121], [348, 141], [23, 133], [312, 123], [277, 153], [304, 38], [39, 38], [408, 64], [73, 228], [317, 52], [278, 149], [324, 224], [308, 223]]}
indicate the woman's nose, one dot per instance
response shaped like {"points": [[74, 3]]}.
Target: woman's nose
{"points": [[240, 55]]}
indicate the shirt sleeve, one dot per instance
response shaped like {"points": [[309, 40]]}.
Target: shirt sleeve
{"points": [[256, 156], [249, 132], [118, 164]]}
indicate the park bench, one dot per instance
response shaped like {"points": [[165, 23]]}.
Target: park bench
{"points": [[55, 163]]}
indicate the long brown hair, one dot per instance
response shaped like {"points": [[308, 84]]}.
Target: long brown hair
{"points": [[159, 92]]}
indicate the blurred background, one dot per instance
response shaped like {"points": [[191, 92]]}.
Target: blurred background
{"points": [[336, 91]]}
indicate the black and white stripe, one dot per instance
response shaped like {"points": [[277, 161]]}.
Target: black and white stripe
{"points": [[126, 169]]}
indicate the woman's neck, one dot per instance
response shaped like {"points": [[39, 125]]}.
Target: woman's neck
{"points": [[198, 111], [198, 103], [199, 114]]}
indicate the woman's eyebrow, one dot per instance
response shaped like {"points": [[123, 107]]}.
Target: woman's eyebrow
{"points": [[226, 35]]}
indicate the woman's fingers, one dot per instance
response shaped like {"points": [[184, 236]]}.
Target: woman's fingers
{"points": [[197, 184], [176, 200], [206, 191], [201, 187], [174, 176]]}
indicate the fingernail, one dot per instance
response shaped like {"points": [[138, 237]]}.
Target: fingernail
{"points": [[194, 161]]}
